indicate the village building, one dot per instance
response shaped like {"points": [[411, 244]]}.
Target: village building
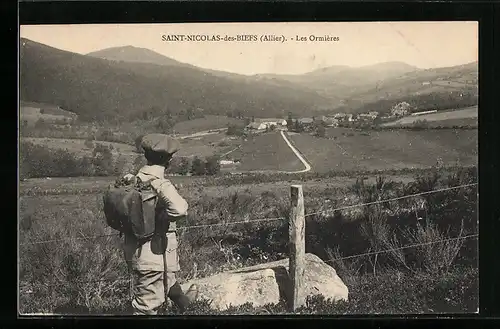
{"points": [[267, 123], [306, 121], [256, 126], [331, 122]]}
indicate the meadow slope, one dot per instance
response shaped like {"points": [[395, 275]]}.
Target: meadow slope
{"points": [[347, 149], [446, 118], [267, 152]]}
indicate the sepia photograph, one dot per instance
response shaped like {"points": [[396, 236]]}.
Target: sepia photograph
{"points": [[248, 168]]}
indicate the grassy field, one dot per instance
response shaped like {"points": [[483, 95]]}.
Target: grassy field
{"points": [[346, 149], [266, 152], [78, 145], [204, 146], [195, 186], [31, 113], [206, 123], [90, 272], [447, 118]]}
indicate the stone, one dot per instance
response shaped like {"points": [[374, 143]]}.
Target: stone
{"points": [[268, 283]]}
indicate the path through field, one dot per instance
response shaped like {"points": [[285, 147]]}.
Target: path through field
{"points": [[203, 133], [297, 153]]}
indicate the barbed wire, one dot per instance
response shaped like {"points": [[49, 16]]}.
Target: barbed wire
{"points": [[396, 198], [127, 280], [266, 219], [403, 247]]}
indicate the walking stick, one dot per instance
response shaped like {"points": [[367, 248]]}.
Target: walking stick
{"points": [[165, 276]]}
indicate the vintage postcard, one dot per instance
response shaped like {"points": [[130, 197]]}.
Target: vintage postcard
{"points": [[248, 168]]}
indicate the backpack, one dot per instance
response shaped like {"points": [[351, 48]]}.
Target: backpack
{"points": [[131, 209]]}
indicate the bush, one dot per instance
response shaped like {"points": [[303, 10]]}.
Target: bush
{"points": [[180, 166], [212, 165], [321, 131], [198, 167], [89, 144], [41, 161], [234, 130]]}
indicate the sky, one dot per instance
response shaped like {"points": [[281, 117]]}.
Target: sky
{"points": [[422, 44]]}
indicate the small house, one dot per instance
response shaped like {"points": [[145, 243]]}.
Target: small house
{"points": [[273, 121], [256, 126], [331, 122], [306, 121]]}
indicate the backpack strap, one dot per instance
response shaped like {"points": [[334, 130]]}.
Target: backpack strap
{"points": [[164, 236]]}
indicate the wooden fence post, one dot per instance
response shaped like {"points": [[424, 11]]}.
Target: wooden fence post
{"points": [[297, 247]]}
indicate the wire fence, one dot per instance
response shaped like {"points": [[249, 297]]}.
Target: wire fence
{"points": [[416, 245], [251, 221], [127, 279]]}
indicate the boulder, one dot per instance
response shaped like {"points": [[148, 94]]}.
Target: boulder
{"points": [[268, 283]]}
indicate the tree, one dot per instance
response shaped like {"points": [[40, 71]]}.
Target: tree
{"points": [[212, 165], [198, 167], [102, 159], [298, 127], [289, 121], [321, 131], [234, 130]]}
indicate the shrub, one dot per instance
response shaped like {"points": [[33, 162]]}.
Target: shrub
{"points": [[321, 131], [212, 165], [89, 144], [180, 166], [41, 161], [234, 130]]}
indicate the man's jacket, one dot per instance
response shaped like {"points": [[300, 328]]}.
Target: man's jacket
{"points": [[149, 256]]}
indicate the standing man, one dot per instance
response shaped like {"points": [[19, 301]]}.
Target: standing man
{"points": [[154, 263]]}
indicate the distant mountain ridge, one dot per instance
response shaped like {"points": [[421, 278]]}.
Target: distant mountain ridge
{"points": [[334, 83], [96, 88], [125, 81], [135, 54]]}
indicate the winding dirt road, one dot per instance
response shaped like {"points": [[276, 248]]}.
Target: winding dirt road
{"points": [[285, 138], [297, 153]]}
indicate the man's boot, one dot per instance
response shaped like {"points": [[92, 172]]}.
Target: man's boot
{"points": [[180, 299]]}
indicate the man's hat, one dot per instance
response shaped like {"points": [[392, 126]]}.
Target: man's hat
{"points": [[160, 143]]}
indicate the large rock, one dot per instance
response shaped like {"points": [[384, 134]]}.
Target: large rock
{"points": [[267, 283]]}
